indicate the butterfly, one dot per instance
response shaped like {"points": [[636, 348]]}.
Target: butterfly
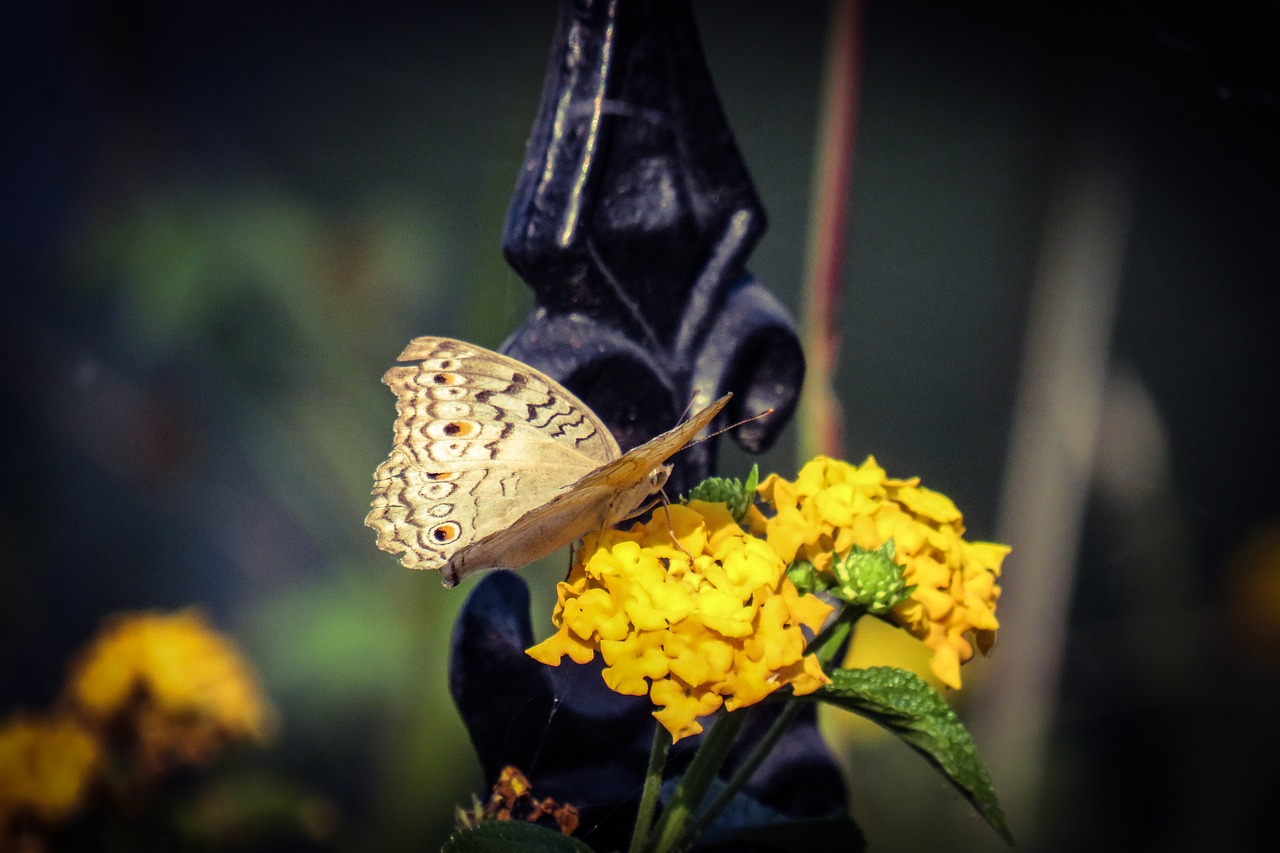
{"points": [[495, 464]]}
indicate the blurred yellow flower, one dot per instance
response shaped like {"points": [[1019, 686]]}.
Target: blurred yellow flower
{"points": [[180, 684], [833, 506], [705, 621], [47, 765]]}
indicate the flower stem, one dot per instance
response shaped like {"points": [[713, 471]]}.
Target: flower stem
{"points": [[825, 645], [652, 787], [688, 795], [790, 708], [832, 637]]}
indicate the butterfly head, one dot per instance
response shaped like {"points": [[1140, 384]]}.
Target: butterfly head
{"points": [[658, 477]]}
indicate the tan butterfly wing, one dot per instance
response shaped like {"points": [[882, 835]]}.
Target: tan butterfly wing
{"points": [[607, 495], [495, 464], [474, 428]]}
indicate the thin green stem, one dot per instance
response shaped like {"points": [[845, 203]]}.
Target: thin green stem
{"points": [[748, 767], [825, 645], [830, 638], [652, 787], [689, 794]]}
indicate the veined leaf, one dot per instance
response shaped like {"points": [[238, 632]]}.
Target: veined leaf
{"points": [[907, 706]]}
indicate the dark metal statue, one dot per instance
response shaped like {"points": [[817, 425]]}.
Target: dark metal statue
{"points": [[632, 220]]}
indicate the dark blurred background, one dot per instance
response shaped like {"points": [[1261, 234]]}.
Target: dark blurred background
{"points": [[223, 221]]}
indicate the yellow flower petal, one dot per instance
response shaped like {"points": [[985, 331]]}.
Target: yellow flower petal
{"points": [[749, 681], [807, 610], [696, 656], [681, 706], [46, 767], [563, 642], [805, 676], [632, 661], [929, 504]]}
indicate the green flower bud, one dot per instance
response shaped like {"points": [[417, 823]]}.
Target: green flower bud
{"points": [[730, 491], [870, 579], [806, 578]]}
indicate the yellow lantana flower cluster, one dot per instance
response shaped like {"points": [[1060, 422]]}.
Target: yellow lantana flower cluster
{"points": [[166, 687], [833, 506], [184, 687], [706, 620], [47, 765]]}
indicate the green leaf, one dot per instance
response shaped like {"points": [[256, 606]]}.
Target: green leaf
{"points": [[824, 835], [501, 836], [906, 705]]}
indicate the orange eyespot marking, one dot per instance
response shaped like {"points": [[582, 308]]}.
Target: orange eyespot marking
{"points": [[442, 475], [445, 532], [461, 429], [446, 378]]}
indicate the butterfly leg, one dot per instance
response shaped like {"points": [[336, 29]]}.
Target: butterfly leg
{"points": [[573, 552], [666, 504]]}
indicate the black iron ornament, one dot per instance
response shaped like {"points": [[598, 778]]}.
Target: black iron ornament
{"points": [[632, 220]]}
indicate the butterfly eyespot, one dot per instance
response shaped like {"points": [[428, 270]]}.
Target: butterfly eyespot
{"points": [[445, 532], [445, 378], [461, 429], [442, 475]]}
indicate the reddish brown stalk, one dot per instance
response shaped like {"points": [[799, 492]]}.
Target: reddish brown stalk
{"points": [[820, 416]]}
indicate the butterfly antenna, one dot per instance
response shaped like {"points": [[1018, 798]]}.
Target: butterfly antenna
{"points": [[723, 430], [688, 407]]}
